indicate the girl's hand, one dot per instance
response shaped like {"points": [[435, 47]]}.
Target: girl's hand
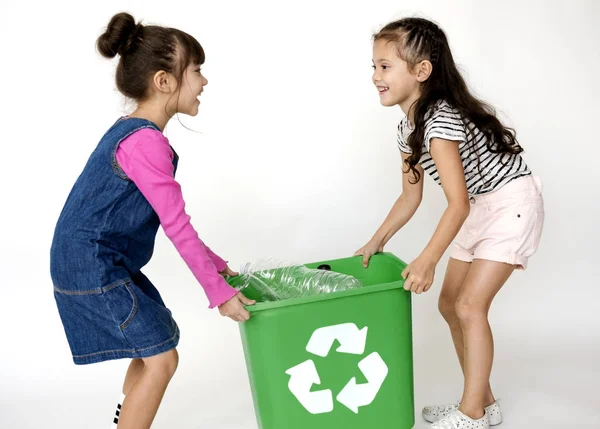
{"points": [[419, 274], [228, 272], [369, 250], [234, 308]]}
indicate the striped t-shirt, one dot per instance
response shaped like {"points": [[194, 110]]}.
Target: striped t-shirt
{"points": [[485, 171]]}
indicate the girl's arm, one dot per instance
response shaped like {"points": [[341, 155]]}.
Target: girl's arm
{"points": [[420, 273], [146, 158], [402, 211]]}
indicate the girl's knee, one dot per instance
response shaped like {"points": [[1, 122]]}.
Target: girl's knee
{"points": [[447, 307], [468, 309], [137, 363], [165, 363]]}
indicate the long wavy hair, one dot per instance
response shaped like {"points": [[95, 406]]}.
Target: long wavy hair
{"points": [[418, 39]]}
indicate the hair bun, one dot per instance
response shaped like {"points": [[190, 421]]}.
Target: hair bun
{"points": [[119, 36]]}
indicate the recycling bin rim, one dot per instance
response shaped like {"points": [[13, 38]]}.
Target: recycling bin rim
{"points": [[262, 306]]}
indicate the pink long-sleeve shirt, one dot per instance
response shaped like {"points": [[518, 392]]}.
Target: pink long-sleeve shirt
{"points": [[147, 159]]}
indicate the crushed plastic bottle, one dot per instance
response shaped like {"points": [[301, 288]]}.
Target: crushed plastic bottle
{"points": [[275, 280]]}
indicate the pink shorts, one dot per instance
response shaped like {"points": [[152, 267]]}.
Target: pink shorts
{"points": [[504, 225]]}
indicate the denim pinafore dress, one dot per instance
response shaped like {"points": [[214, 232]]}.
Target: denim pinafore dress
{"points": [[104, 236]]}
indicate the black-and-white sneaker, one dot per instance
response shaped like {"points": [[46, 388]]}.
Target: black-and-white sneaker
{"points": [[433, 413], [116, 417]]}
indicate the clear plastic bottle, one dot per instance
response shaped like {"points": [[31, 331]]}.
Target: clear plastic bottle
{"points": [[275, 280]]}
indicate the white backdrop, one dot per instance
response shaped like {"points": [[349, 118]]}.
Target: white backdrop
{"points": [[297, 159]]}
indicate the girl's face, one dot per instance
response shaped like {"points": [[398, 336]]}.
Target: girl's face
{"points": [[392, 77], [192, 85]]}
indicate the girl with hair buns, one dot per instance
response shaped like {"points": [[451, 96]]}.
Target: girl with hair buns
{"points": [[105, 233]]}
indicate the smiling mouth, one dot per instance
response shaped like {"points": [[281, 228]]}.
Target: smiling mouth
{"points": [[382, 89]]}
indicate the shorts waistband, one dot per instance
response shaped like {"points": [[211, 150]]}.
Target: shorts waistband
{"points": [[526, 184]]}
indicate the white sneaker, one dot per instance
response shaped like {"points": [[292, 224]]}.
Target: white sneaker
{"points": [[434, 413], [457, 420]]}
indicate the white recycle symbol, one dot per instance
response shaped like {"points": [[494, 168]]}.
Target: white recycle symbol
{"points": [[353, 341]]}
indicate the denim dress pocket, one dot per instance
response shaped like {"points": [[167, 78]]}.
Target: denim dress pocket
{"points": [[122, 304]]}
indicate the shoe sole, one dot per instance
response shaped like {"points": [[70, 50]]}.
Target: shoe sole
{"points": [[431, 419]]}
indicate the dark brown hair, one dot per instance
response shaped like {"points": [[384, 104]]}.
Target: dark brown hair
{"points": [[418, 39], [145, 50]]}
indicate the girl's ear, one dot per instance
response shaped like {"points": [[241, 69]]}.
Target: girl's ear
{"points": [[423, 70], [164, 82]]}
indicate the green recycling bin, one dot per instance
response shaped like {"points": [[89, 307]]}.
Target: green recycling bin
{"points": [[339, 360]]}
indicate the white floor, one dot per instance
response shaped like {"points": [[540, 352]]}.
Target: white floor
{"points": [[539, 388]]}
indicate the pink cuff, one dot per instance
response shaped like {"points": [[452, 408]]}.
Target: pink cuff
{"points": [[221, 298], [219, 262]]}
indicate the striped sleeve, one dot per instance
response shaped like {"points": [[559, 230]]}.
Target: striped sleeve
{"points": [[445, 123], [401, 139]]}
